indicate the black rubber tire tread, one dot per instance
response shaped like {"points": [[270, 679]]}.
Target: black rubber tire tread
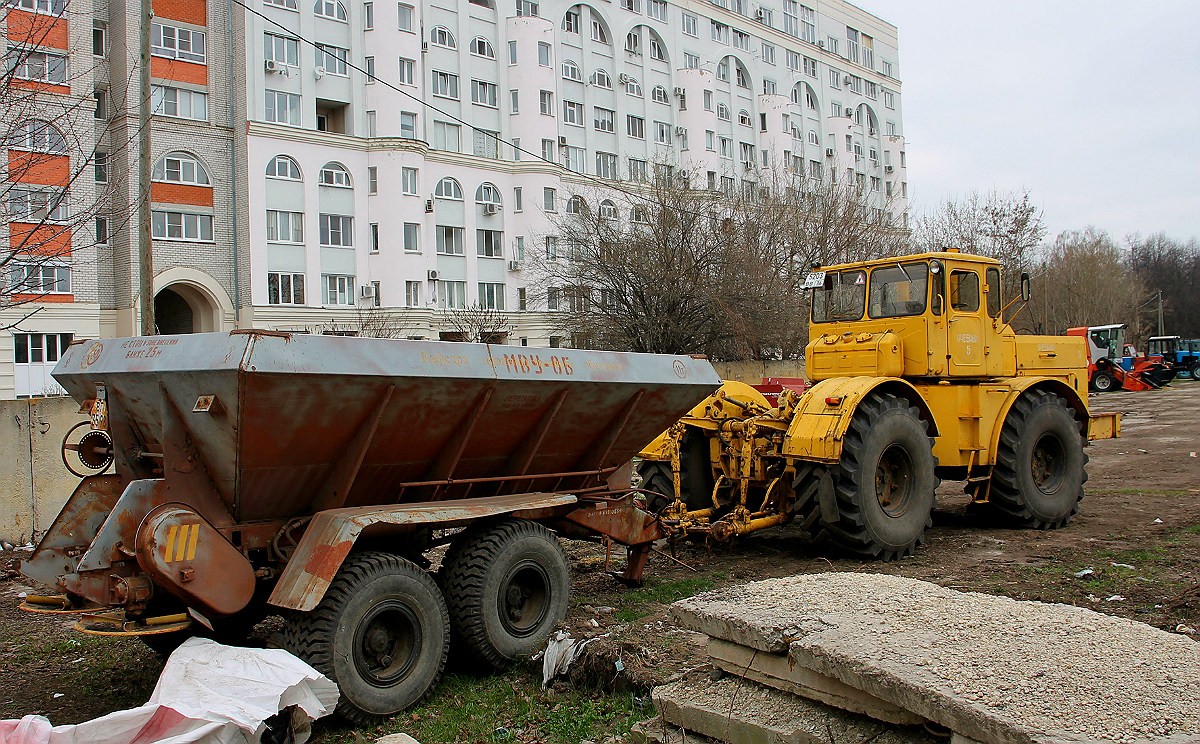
{"points": [[312, 635], [1014, 497], [696, 479], [475, 563], [1196, 370], [1109, 385], [863, 527]]}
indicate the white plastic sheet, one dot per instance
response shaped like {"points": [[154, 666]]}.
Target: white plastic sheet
{"points": [[207, 694]]}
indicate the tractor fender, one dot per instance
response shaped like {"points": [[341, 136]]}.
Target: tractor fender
{"points": [[1019, 386], [817, 429], [707, 414]]}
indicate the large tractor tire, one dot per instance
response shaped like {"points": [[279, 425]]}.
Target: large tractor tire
{"points": [[1040, 469], [696, 479], [507, 586], [884, 482], [381, 632]]}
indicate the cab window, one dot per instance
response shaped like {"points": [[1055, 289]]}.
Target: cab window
{"points": [[993, 291], [841, 297], [898, 290], [964, 291]]}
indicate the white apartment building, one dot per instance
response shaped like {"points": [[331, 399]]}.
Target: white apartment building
{"points": [[402, 163]]}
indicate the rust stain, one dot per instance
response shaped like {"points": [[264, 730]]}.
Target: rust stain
{"points": [[327, 559]]}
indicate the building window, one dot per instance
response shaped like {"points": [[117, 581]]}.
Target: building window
{"points": [[599, 34], [691, 61], [606, 165], [720, 32], [374, 232], [576, 205], [635, 126], [527, 8], [449, 240], [448, 188], [548, 150], [662, 132], [441, 36], [600, 79], [337, 230], [768, 53], [631, 5], [176, 43], [102, 231], [885, 67], [184, 104], [633, 87], [572, 158], [100, 166], [285, 289], [810, 67], [744, 118], [333, 59], [285, 227], [408, 125], [689, 24], [491, 296], [334, 174], [368, 16], [40, 278], [404, 17], [101, 97], [332, 9], [546, 102], [99, 39], [284, 167], [543, 54], [283, 108], [722, 112], [657, 9], [570, 22], [36, 204], [408, 180], [573, 113], [889, 99], [659, 95], [605, 119], [489, 243], [372, 179], [181, 226], [179, 167], [512, 53], [551, 250], [445, 84], [452, 295], [286, 4], [406, 72], [514, 106], [339, 289], [570, 70], [518, 200], [412, 294], [369, 66], [412, 237], [549, 199], [487, 193], [483, 93], [481, 47], [282, 50], [633, 42]]}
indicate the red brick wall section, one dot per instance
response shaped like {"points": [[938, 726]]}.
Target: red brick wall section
{"points": [[44, 240], [174, 69], [37, 29], [39, 168], [188, 11], [180, 193]]}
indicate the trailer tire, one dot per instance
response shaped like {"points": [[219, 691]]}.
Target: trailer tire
{"points": [[507, 585], [1038, 478], [695, 476], [381, 632], [1103, 382], [886, 447]]}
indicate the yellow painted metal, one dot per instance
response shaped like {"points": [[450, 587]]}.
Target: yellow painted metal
{"points": [[733, 399], [1104, 426], [816, 429]]}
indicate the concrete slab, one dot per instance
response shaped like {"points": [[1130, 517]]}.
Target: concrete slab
{"points": [[658, 731], [989, 668], [779, 672], [743, 711]]}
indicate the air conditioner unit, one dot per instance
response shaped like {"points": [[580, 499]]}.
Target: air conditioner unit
{"points": [[432, 274], [680, 131], [562, 141], [821, 44], [514, 265], [829, 152], [623, 78], [271, 66], [679, 91], [319, 72], [429, 205], [847, 80], [490, 209], [888, 169], [759, 15], [424, 46], [367, 291]]}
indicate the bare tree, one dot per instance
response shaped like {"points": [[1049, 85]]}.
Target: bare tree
{"points": [[1082, 279], [477, 324], [674, 268], [367, 321], [1172, 267], [53, 180]]}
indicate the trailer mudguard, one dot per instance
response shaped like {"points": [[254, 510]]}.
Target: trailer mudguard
{"points": [[824, 412], [331, 534]]}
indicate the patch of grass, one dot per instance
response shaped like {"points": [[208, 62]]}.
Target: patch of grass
{"points": [[1193, 530], [634, 603], [510, 707]]}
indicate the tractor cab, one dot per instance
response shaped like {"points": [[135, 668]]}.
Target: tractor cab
{"points": [[926, 315], [1164, 346]]}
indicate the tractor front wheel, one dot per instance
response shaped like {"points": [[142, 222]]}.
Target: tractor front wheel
{"points": [[1103, 382], [381, 632], [884, 483], [1038, 478]]}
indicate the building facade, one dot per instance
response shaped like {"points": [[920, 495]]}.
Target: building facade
{"points": [[315, 161]]}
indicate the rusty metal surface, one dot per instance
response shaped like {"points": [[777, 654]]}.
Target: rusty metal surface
{"points": [[270, 417], [73, 529], [331, 534]]}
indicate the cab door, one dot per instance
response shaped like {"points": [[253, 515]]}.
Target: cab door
{"points": [[965, 344]]}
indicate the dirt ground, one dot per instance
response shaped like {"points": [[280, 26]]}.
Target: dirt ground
{"points": [[1138, 532]]}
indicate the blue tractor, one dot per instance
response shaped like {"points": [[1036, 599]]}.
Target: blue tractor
{"points": [[1184, 356]]}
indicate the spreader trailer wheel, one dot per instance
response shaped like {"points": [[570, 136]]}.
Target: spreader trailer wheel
{"points": [[381, 632], [507, 585]]}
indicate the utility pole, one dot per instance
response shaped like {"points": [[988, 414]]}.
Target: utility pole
{"points": [[145, 246], [1160, 319]]}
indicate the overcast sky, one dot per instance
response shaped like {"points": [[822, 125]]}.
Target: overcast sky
{"points": [[1092, 106]]}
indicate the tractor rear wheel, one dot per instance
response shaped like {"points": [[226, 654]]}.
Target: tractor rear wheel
{"points": [[1038, 478], [1102, 381], [381, 632], [507, 585], [1196, 370], [884, 483], [695, 476]]}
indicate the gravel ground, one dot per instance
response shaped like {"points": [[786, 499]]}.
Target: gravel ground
{"points": [[989, 667]]}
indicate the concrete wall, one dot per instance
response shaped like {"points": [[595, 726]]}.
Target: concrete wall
{"points": [[752, 372], [34, 483]]}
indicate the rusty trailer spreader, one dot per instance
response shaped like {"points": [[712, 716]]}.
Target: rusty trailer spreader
{"points": [[260, 472]]}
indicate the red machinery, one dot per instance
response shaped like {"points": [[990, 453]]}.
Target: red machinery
{"points": [[1115, 365]]}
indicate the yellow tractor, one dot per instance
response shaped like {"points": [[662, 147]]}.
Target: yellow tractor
{"points": [[915, 376]]}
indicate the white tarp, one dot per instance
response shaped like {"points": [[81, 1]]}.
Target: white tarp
{"points": [[207, 694]]}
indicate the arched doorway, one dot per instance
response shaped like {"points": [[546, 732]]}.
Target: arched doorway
{"points": [[184, 308]]}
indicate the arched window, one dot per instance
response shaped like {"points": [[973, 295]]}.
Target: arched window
{"points": [[743, 76], [723, 70], [657, 48], [570, 22], [813, 139], [600, 79], [487, 193], [633, 42], [722, 112], [632, 86], [576, 205], [571, 70], [180, 167], [599, 33], [334, 174], [608, 210], [282, 166], [744, 118], [448, 188], [482, 47], [330, 9], [441, 36], [41, 136], [659, 95]]}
